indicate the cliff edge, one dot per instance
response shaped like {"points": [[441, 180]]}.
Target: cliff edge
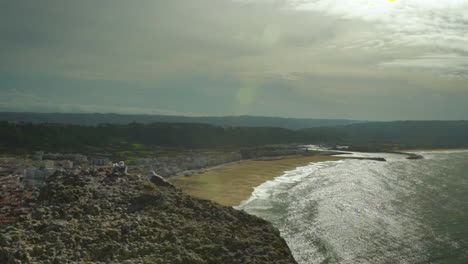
{"points": [[101, 216]]}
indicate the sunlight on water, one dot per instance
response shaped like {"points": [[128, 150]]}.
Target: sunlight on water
{"points": [[360, 211]]}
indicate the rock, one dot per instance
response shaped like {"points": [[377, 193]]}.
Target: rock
{"points": [[82, 218], [158, 180], [413, 156], [120, 168]]}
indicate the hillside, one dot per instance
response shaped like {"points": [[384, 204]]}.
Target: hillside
{"points": [[99, 216], [224, 121], [425, 134], [24, 137]]}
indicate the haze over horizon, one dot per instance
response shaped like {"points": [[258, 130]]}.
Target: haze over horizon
{"points": [[330, 59]]}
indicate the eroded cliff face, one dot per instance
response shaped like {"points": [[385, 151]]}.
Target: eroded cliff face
{"points": [[100, 216]]}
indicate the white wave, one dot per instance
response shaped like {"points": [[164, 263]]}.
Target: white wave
{"points": [[349, 210], [266, 189], [435, 151]]}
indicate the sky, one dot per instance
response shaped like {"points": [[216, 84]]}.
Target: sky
{"points": [[351, 59]]}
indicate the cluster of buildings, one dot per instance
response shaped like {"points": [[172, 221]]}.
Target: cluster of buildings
{"points": [[14, 200], [21, 178], [186, 164], [272, 151], [168, 166]]}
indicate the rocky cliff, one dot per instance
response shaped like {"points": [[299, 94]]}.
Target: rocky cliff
{"points": [[100, 216]]}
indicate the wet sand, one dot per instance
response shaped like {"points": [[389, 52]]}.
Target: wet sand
{"points": [[231, 184]]}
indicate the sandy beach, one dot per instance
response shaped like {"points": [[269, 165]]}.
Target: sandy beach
{"points": [[231, 184]]}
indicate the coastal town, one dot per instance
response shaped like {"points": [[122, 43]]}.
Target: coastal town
{"points": [[21, 177]]}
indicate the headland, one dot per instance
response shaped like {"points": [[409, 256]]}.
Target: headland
{"points": [[109, 216]]}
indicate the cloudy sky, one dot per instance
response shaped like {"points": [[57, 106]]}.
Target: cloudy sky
{"points": [[354, 59]]}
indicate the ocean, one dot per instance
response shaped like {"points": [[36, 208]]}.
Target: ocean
{"points": [[363, 211]]}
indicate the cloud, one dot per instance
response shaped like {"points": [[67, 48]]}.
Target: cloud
{"points": [[319, 58], [431, 25], [26, 102], [451, 65]]}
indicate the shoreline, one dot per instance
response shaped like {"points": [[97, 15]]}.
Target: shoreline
{"points": [[432, 150], [230, 184]]}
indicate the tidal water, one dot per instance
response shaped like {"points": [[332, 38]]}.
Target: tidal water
{"points": [[362, 211]]}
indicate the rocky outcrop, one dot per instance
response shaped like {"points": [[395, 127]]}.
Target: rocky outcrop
{"points": [[413, 156], [100, 216]]}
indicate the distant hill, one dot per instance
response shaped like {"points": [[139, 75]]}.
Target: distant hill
{"points": [[424, 134], [373, 136], [224, 121], [438, 134]]}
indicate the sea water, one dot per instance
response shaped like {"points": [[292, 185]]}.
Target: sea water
{"points": [[364, 211]]}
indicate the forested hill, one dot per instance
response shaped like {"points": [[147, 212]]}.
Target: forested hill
{"points": [[224, 121], [368, 136], [424, 134]]}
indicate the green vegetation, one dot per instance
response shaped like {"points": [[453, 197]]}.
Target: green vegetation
{"points": [[119, 139], [133, 140]]}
